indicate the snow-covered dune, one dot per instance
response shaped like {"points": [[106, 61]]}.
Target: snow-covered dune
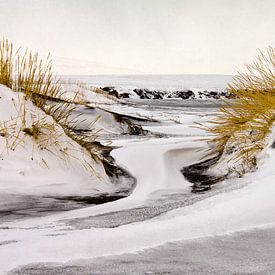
{"points": [[38, 176], [29, 168]]}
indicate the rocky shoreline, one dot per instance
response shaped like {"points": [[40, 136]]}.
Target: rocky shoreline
{"points": [[144, 93]]}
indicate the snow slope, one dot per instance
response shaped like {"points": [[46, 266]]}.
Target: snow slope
{"points": [[28, 169]]}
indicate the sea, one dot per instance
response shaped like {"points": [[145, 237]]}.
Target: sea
{"points": [[151, 81]]}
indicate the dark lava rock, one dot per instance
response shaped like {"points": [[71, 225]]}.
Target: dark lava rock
{"points": [[227, 94], [215, 95], [111, 91], [182, 94], [157, 95], [186, 94], [125, 95], [141, 93], [211, 94], [148, 94]]}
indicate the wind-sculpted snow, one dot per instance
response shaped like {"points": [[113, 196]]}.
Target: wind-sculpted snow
{"points": [[158, 225], [156, 205], [249, 252], [37, 181]]}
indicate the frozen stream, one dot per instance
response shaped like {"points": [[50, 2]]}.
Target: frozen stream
{"points": [[161, 228]]}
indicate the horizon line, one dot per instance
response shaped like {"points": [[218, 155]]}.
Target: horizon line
{"points": [[144, 74]]}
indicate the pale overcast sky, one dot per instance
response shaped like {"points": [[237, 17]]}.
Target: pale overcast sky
{"points": [[141, 36]]}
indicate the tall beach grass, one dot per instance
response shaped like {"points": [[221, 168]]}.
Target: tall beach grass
{"points": [[242, 126], [29, 75]]}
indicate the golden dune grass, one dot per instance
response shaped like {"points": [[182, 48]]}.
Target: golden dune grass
{"points": [[242, 126], [33, 77]]}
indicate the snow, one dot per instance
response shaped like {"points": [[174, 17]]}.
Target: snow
{"points": [[30, 170], [156, 164], [160, 169], [250, 207]]}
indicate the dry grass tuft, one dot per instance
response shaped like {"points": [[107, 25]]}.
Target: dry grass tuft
{"points": [[242, 126], [30, 124], [29, 75], [6, 64]]}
